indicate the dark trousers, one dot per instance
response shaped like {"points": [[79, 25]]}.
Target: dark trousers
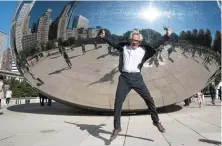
{"points": [[128, 81], [213, 96]]}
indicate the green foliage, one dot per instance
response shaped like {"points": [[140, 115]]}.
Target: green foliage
{"points": [[50, 45], [21, 89]]}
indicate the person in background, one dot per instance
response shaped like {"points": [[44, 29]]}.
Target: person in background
{"points": [[213, 92], [41, 98], [8, 95], [219, 92], [1, 92], [95, 45], [83, 49], [66, 57]]}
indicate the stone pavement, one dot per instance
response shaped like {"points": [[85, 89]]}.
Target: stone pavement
{"points": [[33, 125]]}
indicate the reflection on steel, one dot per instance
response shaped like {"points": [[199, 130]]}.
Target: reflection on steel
{"points": [[87, 74]]}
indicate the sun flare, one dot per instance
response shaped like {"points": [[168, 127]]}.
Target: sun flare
{"points": [[150, 14]]}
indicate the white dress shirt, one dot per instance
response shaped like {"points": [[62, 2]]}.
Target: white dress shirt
{"points": [[132, 58]]}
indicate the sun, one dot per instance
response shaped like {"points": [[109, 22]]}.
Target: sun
{"points": [[150, 14]]}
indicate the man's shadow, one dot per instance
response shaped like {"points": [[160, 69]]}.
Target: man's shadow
{"points": [[95, 131], [107, 77]]}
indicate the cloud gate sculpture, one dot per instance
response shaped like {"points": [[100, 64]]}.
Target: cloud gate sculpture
{"points": [[48, 37]]}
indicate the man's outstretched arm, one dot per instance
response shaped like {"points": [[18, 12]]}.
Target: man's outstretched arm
{"points": [[110, 41]]}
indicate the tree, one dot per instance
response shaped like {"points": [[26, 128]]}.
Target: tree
{"points": [[188, 35], [71, 41], [207, 38], [200, 38], [217, 42], [50, 45], [182, 35], [60, 41], [21, 89], [99, 27], [65, 43]]}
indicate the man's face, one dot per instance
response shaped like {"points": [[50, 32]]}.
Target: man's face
{"points": [[135, 41]]}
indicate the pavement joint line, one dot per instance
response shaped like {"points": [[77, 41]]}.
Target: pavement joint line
{"points": [[126, 131], [165, 137], [190, 128], [94, 130], [204, 121], [7, 137]]}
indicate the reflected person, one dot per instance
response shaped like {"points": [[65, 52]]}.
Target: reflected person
{"points": [[66, 57], [83, 49], [134, 55]]}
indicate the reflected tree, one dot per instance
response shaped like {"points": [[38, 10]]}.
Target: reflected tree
{"points": [[217, 42]]}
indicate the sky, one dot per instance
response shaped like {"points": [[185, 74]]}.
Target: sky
{"points": [[6, 12], [120, 17]]}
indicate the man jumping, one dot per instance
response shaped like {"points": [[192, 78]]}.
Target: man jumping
{"points": [[133, 55]]}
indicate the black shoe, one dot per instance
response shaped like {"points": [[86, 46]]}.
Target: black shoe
{"points": [[115, 133], [160, 127]]}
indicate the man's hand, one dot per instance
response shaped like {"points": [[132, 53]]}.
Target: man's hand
{"points": [[168, 31], [103, 33]]}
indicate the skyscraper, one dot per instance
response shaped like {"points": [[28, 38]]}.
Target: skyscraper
{"points": [[80, 22], [7, 60], [60, 24], [21, 23], [43, 27], [3, 41]]}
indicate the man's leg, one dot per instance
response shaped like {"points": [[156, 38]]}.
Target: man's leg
{"points": [[123, 89], [139, 86]]}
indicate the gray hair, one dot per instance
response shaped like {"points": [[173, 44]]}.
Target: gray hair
{"points": [[136, 32]]}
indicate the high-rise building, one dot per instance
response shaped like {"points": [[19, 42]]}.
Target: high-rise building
{"points": [[80, 22], [26, 29], [92, 32], [72, 33], [28, 40], [60, 24], [43, 27], [3, 41], [21, 23], [82, 33], [7, 60]]}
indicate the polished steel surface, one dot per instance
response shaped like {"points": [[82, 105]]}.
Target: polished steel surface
{"points": [[182, 66]]}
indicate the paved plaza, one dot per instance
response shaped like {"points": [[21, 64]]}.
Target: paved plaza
{"points": [[58, 125]]}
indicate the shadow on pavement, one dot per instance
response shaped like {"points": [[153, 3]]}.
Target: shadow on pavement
{"points": [[61, 109], [210, 141], [55, 57], [59, 71], [108, 77], [95, 131], [75, 56]]}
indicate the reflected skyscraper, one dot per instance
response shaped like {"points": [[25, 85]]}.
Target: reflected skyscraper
{"points": [[43, 27], [80, 22], [21, 23], [60, 24]]}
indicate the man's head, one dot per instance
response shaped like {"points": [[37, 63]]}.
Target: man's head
{"points": [[135, 38]]}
